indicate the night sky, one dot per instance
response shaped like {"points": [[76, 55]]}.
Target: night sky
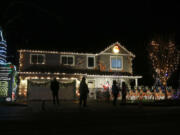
{"points": [[89, 27]]}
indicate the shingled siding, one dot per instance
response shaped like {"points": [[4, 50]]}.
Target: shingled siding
{"points": [[25, 61], [104, 63], [80, 62], [50, 59], [54, 60], [127, 64]]}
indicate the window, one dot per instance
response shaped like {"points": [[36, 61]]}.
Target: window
{"points": [[67, 60], [90, 62], [116, 62], [37, 59]]}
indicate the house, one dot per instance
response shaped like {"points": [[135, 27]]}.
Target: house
{"points": [[37, 68]]}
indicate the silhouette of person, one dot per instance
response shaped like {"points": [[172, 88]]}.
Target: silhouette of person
{"points": [[124, 89], [115, 92], [83, 89], [55, 89]]}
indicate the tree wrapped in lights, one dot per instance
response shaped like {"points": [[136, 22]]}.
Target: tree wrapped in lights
{"points": [[164, 58], [3, 48]]}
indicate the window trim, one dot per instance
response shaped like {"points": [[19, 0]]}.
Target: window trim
{"points": [[119, 69], [37, 60], [94, 62], [67, 56]]}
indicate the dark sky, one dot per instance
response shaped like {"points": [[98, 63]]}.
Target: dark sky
{"points": [[88, 26]]}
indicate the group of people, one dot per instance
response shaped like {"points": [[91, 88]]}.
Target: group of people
{"points": [[83, 90], [115, 92]]}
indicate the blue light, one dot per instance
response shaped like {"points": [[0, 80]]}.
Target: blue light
{"points": [[3, 43], [2, 38], [2, 63], [3, 48], [166, 74], [3, 55], [2, 51]]}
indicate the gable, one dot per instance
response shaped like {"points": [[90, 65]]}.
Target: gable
{"points": [[117, 48]]}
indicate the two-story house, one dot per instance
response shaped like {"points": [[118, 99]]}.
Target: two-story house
{"points": [[100, 69]]}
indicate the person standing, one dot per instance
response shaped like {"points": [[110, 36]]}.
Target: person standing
{"points": [[55, 90], [83, 89], [115, 92], [124, 91]]}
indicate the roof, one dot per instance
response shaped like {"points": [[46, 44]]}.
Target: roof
{"points": [[76, 53], [70, 70], [121, 46]]}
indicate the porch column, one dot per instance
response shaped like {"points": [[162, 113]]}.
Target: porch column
{"points": [[136, 82]]}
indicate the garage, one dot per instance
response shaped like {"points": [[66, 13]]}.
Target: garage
{"points": [[40, 90]]}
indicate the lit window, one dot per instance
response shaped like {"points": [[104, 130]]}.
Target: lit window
{"points": [[91, 62], [37, 59], [67, 60], [116, 62]]}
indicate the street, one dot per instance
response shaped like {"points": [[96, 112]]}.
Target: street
{"points": [[97, 118]]}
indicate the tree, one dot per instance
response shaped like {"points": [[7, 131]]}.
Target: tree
{"points": [[164, 57]]}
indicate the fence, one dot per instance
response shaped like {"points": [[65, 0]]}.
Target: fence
{"points": [[140, 93]]}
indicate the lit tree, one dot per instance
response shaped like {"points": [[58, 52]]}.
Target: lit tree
{"points": [[164, 58], [3, 48]]}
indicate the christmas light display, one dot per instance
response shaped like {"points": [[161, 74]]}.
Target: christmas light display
{"points": [[119, 46], [3, 48], [8, 74], [164, 58], [115, 49]]}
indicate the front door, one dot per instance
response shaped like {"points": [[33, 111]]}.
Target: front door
{"points": [[91, 86]]}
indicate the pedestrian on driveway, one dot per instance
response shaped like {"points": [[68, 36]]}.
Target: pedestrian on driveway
{"points": [[115, 92], [124, 91], [55, 90], [83, 89]]}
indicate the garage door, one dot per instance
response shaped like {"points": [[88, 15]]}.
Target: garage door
{"points": [[40, 90]]}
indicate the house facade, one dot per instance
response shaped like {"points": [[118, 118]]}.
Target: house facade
{"points": [[37, 68]]}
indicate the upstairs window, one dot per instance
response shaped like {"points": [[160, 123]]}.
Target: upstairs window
{"points": [[90, 62], [67, 60], [37, 59], [116, 62]]}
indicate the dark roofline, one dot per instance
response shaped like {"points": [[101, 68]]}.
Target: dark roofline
{"points": [[70, 70]]}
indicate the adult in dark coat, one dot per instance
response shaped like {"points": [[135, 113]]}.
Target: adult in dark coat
{"points": [[115, 92], [55, 89], [83, 90], [124, 91]]}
